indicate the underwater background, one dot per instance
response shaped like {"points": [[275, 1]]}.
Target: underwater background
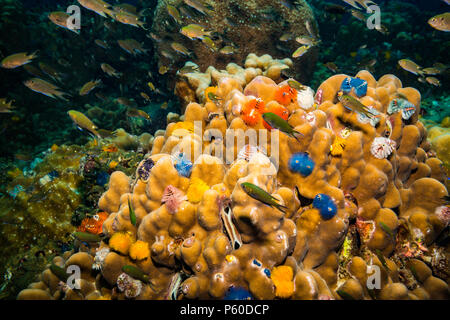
{"points": [[52, 174]]}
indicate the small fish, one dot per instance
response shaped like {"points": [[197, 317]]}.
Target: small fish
{"points": [[110, 71], [286, 37], [106, 133], [188, 69], [306, 40], [335, 9], [145, 96], [60, 18], [354, 104], [213, 97], [174, 13], [410, 66], [83, 122], [279, 123], [296, 85], [442, 67], [431, 71], [125, 7], [344, 295], [50, 71], [178, 47], [98, 6], [358, 15], [87, 237], [132, 214], [209, 43], [17, 60], [151, 86], [300, 51], [5, 107], [233, 234], [131, 46], [165, 105], [154, 36], [33, 71], [133, 112], [89, 86], [440, 22], [163, 70], [194, 31], [197, 5], [46, 88], [381, 258], [126, 102], [59, 272], [136, 273], [433, 81], [259, 194], [101, 44], [129, 19], [386, 229], [332, 66], [382, 29], [227, 50]]}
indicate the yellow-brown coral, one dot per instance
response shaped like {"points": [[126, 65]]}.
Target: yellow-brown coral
{"points": [[197, 188]]}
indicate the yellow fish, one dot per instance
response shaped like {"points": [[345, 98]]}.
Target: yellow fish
{"points": [[5, 107], [98, 6], [89, 86], [83, 122], [441, 22], [300, 51], [194, 31], [60, 18], [110, 71], [133, 112], [17, 60], [130, 19], [131, 46], [44, 87]]}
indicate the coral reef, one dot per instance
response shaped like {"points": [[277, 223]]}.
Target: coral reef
{"points": [[248, 26], [373, 208], [46, 199]]}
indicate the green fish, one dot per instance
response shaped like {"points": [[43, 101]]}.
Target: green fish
{"points": [[344, 295], [381, 258], [259, 194], [387, 230], [132, 214], [355, 105], [296, 85], [59, 272], [213, 97], [137, 273], [279, 123], [87, 237]]}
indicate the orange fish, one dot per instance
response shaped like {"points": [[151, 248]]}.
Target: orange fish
{"points": [[94, 224], [285, 95], [17, 60]]}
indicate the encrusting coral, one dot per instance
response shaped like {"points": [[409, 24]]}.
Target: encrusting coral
{"points": [[340, 216]]}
